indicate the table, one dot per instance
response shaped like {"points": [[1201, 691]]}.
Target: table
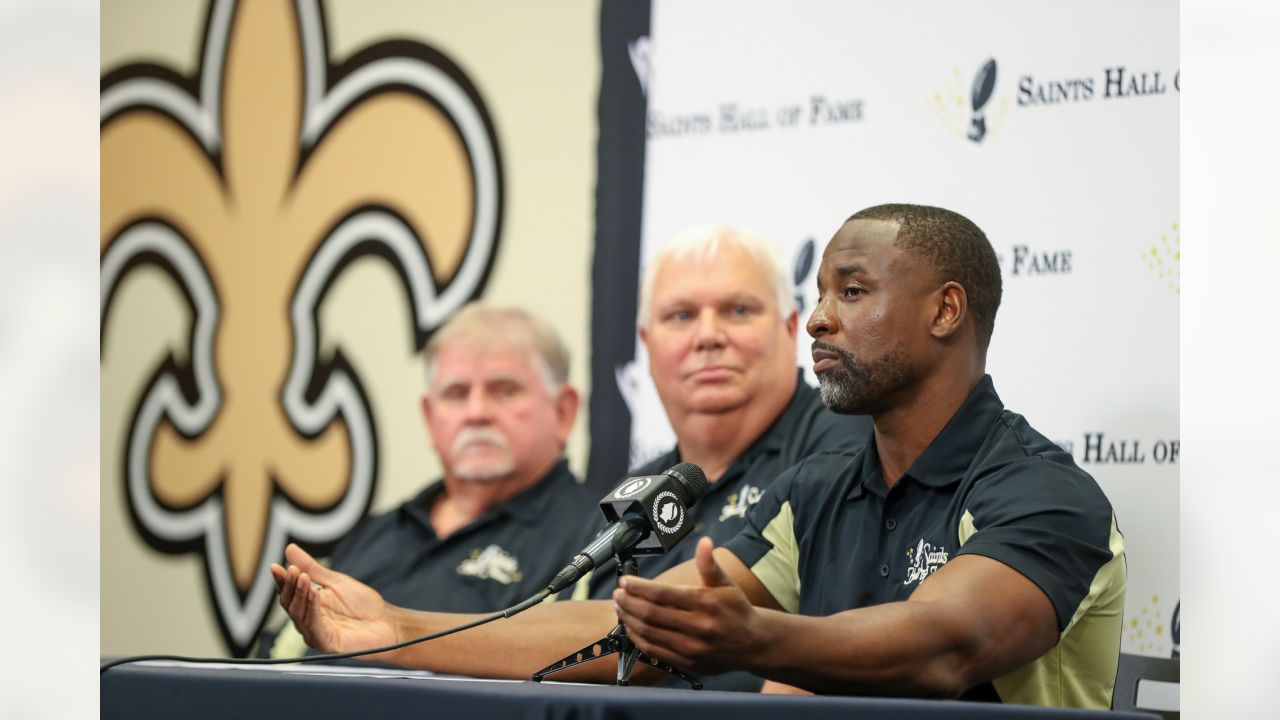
{"points": [[191, 691]]}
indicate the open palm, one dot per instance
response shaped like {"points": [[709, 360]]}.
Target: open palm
{"points": [[332, 611]]}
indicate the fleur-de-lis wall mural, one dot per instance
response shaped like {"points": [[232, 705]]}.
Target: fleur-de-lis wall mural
{"points": [[252, 185]]}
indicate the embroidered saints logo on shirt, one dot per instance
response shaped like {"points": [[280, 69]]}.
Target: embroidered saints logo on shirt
{"points": [[492, 563], [738, 503], [924, 560]]}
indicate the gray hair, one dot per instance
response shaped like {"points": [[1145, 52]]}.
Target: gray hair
{"points": [[704, 242], [495, 326]]}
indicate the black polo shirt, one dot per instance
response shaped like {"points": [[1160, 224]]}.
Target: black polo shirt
{"points": [[830, 536], [805, 427], [508, 554]]}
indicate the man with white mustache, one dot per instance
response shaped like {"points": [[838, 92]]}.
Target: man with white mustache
{"points": [[507, 512]]}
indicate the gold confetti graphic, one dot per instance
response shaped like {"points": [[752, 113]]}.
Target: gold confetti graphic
{"points": [[1165, 258], [951, 105], [1145, 633]]}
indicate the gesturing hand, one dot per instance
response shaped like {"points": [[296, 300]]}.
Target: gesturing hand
{"points": [[707, 629], [335, 614]]}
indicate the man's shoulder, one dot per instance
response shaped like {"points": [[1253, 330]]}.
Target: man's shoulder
{"points": [[569, 494], [1018, 442], [1020, 452], [557, 498], [378, 529], [376, 522], [561, 479]]}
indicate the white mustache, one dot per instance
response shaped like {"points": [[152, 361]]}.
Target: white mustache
{"points": [[479, 436]]}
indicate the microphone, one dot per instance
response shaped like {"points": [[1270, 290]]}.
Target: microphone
{"points": [[648, 515]]}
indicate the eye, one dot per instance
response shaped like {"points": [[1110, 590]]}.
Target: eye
{"points": [[853, 291], [740, 309], [454, 392], [506, 389], [678, 316]]}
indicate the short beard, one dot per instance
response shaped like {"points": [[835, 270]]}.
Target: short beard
{"points": [[858, 388]]}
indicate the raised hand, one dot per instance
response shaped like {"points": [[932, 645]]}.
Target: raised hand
{"points": [[333, 612], [706, 630]]}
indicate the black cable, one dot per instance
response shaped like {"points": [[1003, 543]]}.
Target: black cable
{"points": [[518, 608]]}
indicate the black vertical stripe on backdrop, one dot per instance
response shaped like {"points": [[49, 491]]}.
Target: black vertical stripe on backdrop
{"points": [[615, 267]]}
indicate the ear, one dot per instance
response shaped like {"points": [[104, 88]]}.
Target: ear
{"points": [[644, 334], [426, 408], [567, 402], [949, 311], [793, 325]]}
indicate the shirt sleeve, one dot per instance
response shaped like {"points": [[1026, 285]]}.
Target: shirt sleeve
{"points": [[767, 543], [1051, 523]]}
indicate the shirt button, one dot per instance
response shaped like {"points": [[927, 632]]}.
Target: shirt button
{"points": [[884, 571], [890, 524]]}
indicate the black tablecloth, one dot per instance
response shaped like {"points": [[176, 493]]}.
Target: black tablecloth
{"points": [[145, 691]]}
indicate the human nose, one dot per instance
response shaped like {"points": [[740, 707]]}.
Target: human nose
{"points": [[478, 409], [710, 335], [821, 320]]}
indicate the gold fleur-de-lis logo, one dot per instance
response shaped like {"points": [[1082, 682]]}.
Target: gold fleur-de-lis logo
{"points": [[252, 185]]}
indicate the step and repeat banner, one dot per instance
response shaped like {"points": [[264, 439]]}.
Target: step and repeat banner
{"points": [[1052, 126]]}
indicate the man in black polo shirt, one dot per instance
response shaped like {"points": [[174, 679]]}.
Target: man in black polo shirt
{"points": [[960, 554], [507, 512], [719, 322]]}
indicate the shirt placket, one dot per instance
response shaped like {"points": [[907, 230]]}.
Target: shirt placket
{"points": [[887, 545]]}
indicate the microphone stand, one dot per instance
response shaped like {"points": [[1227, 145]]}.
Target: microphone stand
{"points": [[617, 642]]}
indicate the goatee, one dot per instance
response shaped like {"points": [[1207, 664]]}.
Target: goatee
{"points": [[860, 388]]}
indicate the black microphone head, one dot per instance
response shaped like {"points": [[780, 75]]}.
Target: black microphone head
{"points": [[691, 483]]}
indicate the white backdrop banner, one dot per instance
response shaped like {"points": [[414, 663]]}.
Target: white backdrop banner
{"points": [[1053, 126]]}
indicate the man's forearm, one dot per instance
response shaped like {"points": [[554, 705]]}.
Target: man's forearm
{"points": [[517, 647], [903, 649], [513, 648], [973, 620]]}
